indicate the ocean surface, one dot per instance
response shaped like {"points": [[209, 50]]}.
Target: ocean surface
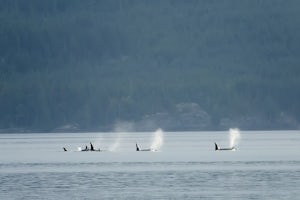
{"points": [[184, 165]]}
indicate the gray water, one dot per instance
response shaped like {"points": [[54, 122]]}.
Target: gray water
{"points": [[266, 165]]}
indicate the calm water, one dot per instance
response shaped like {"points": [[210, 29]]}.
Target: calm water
{"points": [[266, 165]]}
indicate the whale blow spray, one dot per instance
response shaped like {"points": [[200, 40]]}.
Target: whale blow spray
{"points": [[157, 140], [115, 145], [234, 136]]}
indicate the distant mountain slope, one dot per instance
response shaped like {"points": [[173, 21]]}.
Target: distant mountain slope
{"points": [[179, 65]]}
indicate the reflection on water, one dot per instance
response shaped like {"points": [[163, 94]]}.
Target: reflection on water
{"points": [[265, 166]]}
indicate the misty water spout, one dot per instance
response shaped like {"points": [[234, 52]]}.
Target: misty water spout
{"points": [[234, 136], [157, 140], [115, 145]]}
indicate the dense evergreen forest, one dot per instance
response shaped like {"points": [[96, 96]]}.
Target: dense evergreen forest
{"points": [[179, 65]]}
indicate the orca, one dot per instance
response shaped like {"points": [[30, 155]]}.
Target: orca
{"points": [[138, 149], [224, 149], [86, 149], [91, 148]]}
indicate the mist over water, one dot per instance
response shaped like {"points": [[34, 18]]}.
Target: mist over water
{"points": [[157, 140], [234, 137], [114, 146]]}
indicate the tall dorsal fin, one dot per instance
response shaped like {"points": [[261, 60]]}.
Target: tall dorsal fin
{"points": [[216, 147]]}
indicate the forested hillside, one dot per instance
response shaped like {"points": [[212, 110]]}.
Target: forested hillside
{"points": [[179, 65]]}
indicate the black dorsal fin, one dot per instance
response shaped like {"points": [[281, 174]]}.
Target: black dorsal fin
{"points": [[216, 147]]}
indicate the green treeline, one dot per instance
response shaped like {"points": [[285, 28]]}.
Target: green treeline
{"points": [[215, 64]]}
